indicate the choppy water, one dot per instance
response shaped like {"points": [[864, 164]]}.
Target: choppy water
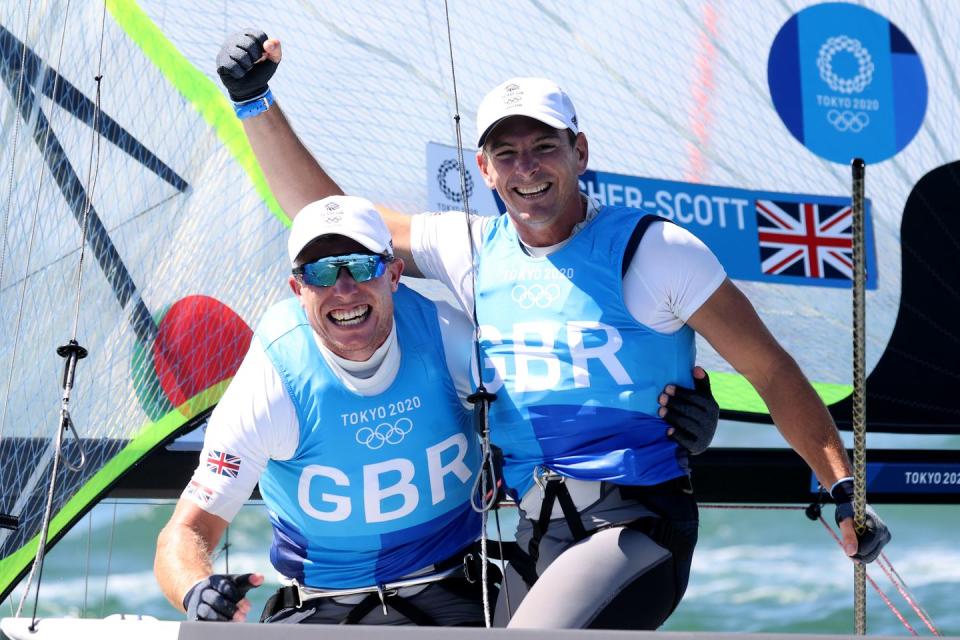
{"points": [[770, 571]]}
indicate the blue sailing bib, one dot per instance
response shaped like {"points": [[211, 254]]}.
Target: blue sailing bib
{"points": [[580, 376], [378, 486]]}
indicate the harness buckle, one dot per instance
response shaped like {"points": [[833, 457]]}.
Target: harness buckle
{"points": [[384, 594], [542, 475], [297, 596], [467, 559]]}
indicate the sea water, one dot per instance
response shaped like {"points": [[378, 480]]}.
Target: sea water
{"points": [[754, 570], [770, 571]]}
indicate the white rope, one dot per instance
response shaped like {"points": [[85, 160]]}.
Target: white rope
{"points": [[13, 149], [486, 484], [106, 577], [93, 170]]}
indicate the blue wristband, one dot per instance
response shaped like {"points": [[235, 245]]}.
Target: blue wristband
{"points": [[254, 107]]}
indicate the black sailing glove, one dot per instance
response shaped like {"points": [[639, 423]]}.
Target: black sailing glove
{"points": [[216, 597], [693, 414], [875, 535], [237, 66]]}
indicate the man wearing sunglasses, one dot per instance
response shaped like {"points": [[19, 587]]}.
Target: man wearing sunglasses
{"points": [[349, 409]]}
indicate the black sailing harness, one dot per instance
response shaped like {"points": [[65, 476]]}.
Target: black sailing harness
{"points": [[458, 574]]}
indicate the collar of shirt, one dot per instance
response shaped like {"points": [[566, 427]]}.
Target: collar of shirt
{"points": [[593, 208], [370, 376]]}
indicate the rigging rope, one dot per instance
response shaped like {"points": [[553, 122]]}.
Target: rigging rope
{"points": [[72, 351], [901, 587], [486, 486], [106, 577], [13, 153], [93, 170], [859, 400], [813, 512], [37, 567], [86, 572], [6, 221]]}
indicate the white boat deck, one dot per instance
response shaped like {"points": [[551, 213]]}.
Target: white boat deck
{"points": [[116, 629]]}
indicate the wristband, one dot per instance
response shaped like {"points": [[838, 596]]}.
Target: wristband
{"points": [[254, 107], [842, 489]]}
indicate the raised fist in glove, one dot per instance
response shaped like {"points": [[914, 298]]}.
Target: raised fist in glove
{"points": [[866, 545], [221, 597], [691, 413], [246, 63]]}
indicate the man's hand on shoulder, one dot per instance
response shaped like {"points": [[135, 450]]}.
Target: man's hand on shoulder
{"points": [[246, 62], [220, 597], [862, 546], [691, 413]]}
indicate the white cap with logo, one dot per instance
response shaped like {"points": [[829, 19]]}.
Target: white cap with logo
{"points": [[348, 216], [536, 98]]}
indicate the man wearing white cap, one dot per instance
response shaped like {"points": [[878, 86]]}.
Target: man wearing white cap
{"points": [[349, 410], [586, 312]]}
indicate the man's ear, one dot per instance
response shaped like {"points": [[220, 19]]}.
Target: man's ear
{"points": [[583, 152], [484, 163], [395, 269], [295, 285]]}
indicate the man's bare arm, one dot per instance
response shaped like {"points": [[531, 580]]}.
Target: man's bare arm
{"points": [[295, 176], [184, 547], [731, 325]]}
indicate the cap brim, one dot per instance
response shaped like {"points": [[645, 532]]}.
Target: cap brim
{"points": [[556, 123]]}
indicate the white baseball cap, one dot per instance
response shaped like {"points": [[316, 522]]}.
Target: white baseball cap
{"points": [[536, 98], [349, 216]]}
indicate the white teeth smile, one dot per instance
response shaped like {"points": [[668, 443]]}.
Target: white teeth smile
{"points": [[532, 191], [347, 317]]}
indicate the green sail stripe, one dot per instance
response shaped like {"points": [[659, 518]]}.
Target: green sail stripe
{"points": [[734, 393], [150, 435], [203, 94]]}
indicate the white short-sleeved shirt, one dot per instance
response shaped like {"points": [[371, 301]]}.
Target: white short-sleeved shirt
{"points": [[256, 421], [671, 275]]}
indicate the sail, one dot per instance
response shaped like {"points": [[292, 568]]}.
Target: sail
{"points": [[737, 124], [149, 174]]}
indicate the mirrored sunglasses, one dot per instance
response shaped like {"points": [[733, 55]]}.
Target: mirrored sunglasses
{"points": [[324, 272]]}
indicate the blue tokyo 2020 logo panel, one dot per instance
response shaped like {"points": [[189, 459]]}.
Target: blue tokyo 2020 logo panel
{"points": [[847, 83]]}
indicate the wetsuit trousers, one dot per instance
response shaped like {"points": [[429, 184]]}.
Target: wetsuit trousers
{"points": [[629, 574]]}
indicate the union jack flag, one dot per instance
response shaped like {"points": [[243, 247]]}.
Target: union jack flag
{"points": [[223, 464], [200, 492], [805, 239]]}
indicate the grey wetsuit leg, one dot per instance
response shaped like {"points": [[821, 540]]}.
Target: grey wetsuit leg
{"points": [[517, 588], [587, 577]]}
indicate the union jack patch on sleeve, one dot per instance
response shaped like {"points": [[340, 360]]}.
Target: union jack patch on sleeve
{"points": [[200, 492], [222, 463]]}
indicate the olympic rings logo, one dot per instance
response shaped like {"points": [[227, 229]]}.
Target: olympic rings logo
{"points": [[853, 46], [848, 120], [535, 295], [453, 194], [385, 433]]}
